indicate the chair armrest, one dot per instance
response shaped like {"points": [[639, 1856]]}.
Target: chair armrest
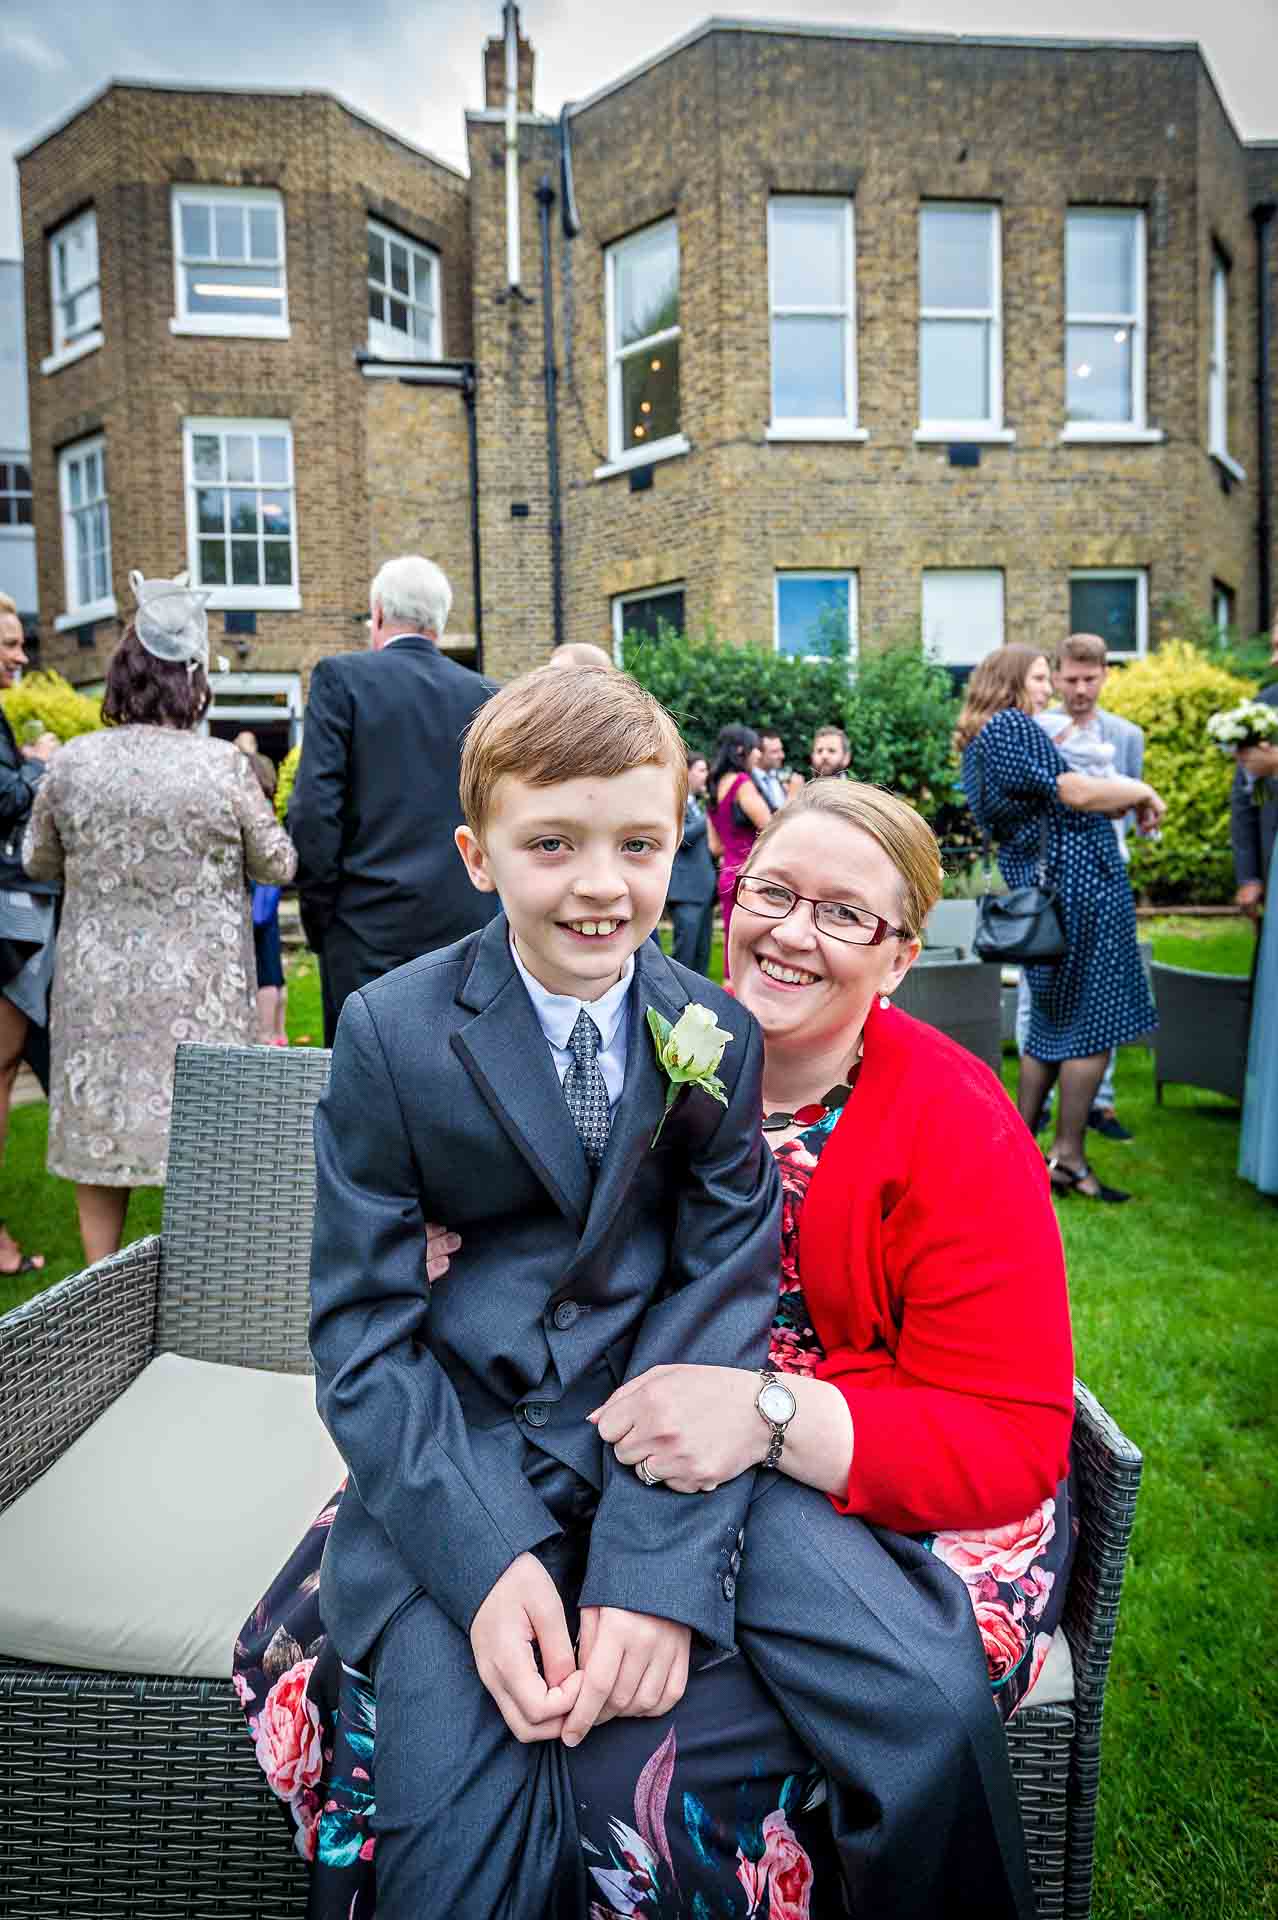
{"points": [[67, 1354]]}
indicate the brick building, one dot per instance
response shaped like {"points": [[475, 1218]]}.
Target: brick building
{"points": [[975, 339]]}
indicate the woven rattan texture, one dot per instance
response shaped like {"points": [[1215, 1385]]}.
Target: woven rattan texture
{"points": [[1038, 1743], [1204, 1020], [66, 1355], [139, 1798], [238, 1204]]}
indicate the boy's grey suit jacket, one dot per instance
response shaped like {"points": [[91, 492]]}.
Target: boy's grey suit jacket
{"points": [[444, 1104]]}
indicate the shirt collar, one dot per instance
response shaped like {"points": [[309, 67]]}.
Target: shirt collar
{"points": [[557, 1012]]}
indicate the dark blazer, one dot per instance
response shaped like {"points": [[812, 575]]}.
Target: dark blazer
{"points": [[444, 1104], [375, 805], [19, 778], [1253, 829], [693, 876]]}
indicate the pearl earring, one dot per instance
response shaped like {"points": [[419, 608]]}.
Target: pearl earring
{"points": [[884, 1002]]}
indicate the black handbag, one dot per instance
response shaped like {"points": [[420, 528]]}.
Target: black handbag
{"points": [[1022, 928]]}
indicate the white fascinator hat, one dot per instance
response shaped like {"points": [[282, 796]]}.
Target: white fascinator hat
{"points": [[171, 621]]}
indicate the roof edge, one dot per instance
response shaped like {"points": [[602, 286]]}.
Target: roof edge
{"points": [[264, 93]]}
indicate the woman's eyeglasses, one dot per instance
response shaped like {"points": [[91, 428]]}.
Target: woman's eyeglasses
{"points": [[835, 918]]}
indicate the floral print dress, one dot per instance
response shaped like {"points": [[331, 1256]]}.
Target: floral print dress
{"points": [[722, 1816]]}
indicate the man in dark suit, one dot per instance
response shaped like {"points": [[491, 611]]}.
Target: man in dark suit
{"points": [[1254, 828], [694, 879], [375, 805]]}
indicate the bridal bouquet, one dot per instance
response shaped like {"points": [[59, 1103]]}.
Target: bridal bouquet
{"points": [[1250, 724]]}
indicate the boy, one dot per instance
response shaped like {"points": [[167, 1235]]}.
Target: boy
{"points": [[509, 1085]]}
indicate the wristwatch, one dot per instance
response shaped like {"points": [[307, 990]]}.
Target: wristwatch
{"points": [[778, 1406]]}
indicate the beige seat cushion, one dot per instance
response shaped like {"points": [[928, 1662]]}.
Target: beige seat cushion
{"points": [[149, 1543]]}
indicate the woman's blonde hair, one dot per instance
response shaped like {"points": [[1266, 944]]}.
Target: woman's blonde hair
{"points": [[998, 682], [549, 726], [903, 834]]}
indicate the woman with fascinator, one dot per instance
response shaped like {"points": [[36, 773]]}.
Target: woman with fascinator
{"points": [[155, 833]]}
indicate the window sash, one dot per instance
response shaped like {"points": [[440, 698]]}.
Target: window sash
{"points": [[232, 511], [827, 576], [418, 341], [840, 313], [619, 353], [233, 267], [15, 494], [1137, 577], [625, 603], [86, 525], [74, 280], [974, 601], [987, 316], [1218, 369], [1129, 320]]}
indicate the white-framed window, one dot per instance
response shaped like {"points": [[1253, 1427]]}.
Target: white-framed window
{"points": [[1218, 368], [403, 296], [1222, 610], [642, 317], [814, 615], [241, 526], [1113, 602], [960, 323], [75, 291], [86, 534], [1105, 325], [642, 615], [962, 614], [228, 261], [15, 492], [812, 300]]}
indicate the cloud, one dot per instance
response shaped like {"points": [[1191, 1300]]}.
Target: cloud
{"points": [[21, 43]]}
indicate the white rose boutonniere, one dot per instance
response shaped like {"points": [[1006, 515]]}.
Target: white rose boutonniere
{"points": [[689, 1053]]}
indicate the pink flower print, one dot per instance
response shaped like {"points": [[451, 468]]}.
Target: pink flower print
{"points": [[1002, 1637], [288, 1745], [754, 1879], [366, 1851], [1042, 1643], [789, 1870], [305, 1808], [1004, 1553], [243, 1691], [1037, 1588]]}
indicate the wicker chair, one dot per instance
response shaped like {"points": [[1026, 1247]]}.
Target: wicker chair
{"points": [[1203, 1024], [141, 1797], [961, 998]]}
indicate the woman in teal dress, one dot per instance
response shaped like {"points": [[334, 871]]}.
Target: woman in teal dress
{"points": [[1258, 1147]]}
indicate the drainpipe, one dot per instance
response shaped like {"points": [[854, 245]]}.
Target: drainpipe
{"points": [[510, 19], [1263, 216], [545, 201], [476, 571]]}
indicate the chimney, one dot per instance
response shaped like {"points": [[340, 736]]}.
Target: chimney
{"points": [[495, 71]]}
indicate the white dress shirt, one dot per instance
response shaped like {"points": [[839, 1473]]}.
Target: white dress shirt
{"points": [[557, 1016]]}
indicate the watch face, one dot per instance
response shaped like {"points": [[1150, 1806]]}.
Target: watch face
{"points": [[776, 1403]]}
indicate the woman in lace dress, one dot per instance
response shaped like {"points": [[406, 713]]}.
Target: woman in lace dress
{"points": [[156, 833]]}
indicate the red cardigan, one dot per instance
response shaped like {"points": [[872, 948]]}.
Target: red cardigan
{"points": [[932, 1267]]}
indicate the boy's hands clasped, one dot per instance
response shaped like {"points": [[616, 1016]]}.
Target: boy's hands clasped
{"points": [[626, 1664]]}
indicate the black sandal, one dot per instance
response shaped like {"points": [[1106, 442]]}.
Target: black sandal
{"points": [[27, 1262], [1071, 1181]]}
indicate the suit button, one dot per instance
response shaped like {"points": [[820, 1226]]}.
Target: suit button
{"points": [[536, 1414], [734, 1562], [566, 1313], [729, 1586]]}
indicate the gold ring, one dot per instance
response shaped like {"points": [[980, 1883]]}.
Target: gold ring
{"points": [[645, 1473]]}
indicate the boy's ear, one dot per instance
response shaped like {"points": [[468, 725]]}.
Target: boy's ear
{"points": [[475, 859]]}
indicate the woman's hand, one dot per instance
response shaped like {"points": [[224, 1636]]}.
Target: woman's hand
{"points": [[1259, 761], [695, 1426], [1150, 811], [440, 1243]]}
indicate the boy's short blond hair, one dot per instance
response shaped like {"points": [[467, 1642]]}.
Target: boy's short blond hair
{"points": [[549, 726]]}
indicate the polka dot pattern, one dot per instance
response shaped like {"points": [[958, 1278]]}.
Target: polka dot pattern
{"points": [[586, 1091], [1097, 997]]}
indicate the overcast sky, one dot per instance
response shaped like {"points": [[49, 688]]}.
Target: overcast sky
{"points": [[417, 67]]}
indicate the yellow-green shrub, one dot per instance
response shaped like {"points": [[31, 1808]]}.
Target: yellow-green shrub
{"points": [[284, 779], [44, 702], [1171, 694]]}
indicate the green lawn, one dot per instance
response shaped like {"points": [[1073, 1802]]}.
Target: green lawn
{"points": [[1173, 1303]]}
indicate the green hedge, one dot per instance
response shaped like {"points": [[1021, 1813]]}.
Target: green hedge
{"points": [[896, 707], [284, 779], [1171, 694], [43, 702]]}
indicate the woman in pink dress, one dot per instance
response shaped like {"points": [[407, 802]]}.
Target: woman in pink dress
{"points": [[737, 812]]}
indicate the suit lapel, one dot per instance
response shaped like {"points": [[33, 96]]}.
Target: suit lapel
{"points": [[643, 1098], [505, 1052]]}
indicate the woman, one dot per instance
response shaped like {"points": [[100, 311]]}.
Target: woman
{"points": [[1096, 997], [156, 833], [1258, 1145], [916, 1232], [272, 990], [737, 812]]}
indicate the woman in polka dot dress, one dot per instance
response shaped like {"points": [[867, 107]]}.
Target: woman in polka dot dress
{"points": [[1096, 997]]}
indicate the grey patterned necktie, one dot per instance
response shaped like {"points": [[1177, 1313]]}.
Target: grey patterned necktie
{"points": [[585, 1089]]}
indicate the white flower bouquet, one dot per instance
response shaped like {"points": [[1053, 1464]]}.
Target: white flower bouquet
{"points": [[1250, 724]]}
